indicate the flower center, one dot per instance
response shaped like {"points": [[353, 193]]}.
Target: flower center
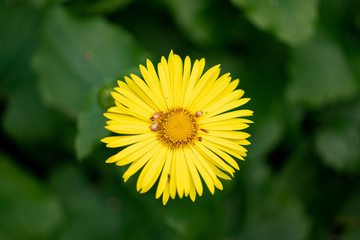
{"points": [[177, 128]]}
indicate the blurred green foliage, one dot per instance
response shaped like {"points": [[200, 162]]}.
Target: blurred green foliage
{"points": [[299, 61]]}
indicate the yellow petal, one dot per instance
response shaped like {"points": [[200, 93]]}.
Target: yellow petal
{"points": [[185, 79], [193, 171], [119, 141], [164, 178], [139, 87], [221, 154], [229, 106], [179, 173], [153, 83], [151, 171], [213, 158], [134, 106], [229, 134], [140, 162], [203, 169], [172, 176], [204, 82], [210, 93], [227, 116], [165, 82], [135, 99], [191, 83], [166, 194], [224, 142], [231, 124], [136, 148]]}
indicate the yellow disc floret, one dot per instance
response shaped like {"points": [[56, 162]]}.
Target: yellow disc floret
{"points": [[177, 128]]}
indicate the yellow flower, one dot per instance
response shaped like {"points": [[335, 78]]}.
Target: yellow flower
{"points": [[180, 126]]}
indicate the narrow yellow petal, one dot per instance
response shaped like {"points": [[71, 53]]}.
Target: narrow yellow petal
{"points": [[221, 153], [242, 142], [191, 82], [139, 87], [231, 124], [119, 141], [128, 129], [114, 110], [166, 194], [219, 173], [153, 83], [229, 106], [229, 98], [227, 150], [172, 176], [203, 169], [132, 105], [208, 95], [193, 171], [186, 174], [185, 79], [213, 158], [192, 191], [164, 178], [152, 172], [136, 155], [139, 163], [205, 81], [135, 148], [230, 134], [220, 95], [171, 74], [130, 112], [179, 173], [224, 142], [177, 80], [125, 119], [164, 81], [201, 68], [227, 116], [134, 98]]}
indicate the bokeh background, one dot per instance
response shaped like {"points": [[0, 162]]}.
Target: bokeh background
{"points": [[298, 60]]}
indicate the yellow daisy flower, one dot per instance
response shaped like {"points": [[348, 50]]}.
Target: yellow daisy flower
{"points": [[180, 126]]}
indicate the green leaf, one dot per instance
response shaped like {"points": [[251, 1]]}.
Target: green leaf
{"points": [[89, 215], [338, 141], [27, 209], [191, 18], [339, 148], [291, 21], [319, 73], [349, 217], [91, 129], [20, 24], [277, 215], [351, 235], [78, 55], [98, 6], [26, 119]]}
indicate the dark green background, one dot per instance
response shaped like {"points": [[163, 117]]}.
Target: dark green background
{"points": [[298, 60]]}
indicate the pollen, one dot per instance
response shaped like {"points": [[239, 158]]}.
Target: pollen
{"points": [[177, 128]]}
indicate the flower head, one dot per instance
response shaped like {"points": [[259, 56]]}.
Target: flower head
{"points": [[179, 126]]}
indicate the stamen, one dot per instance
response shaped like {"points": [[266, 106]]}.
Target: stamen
{"points": [[199, 113], [200, 139], [154, 127], [155, 116], [204, 130]]}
